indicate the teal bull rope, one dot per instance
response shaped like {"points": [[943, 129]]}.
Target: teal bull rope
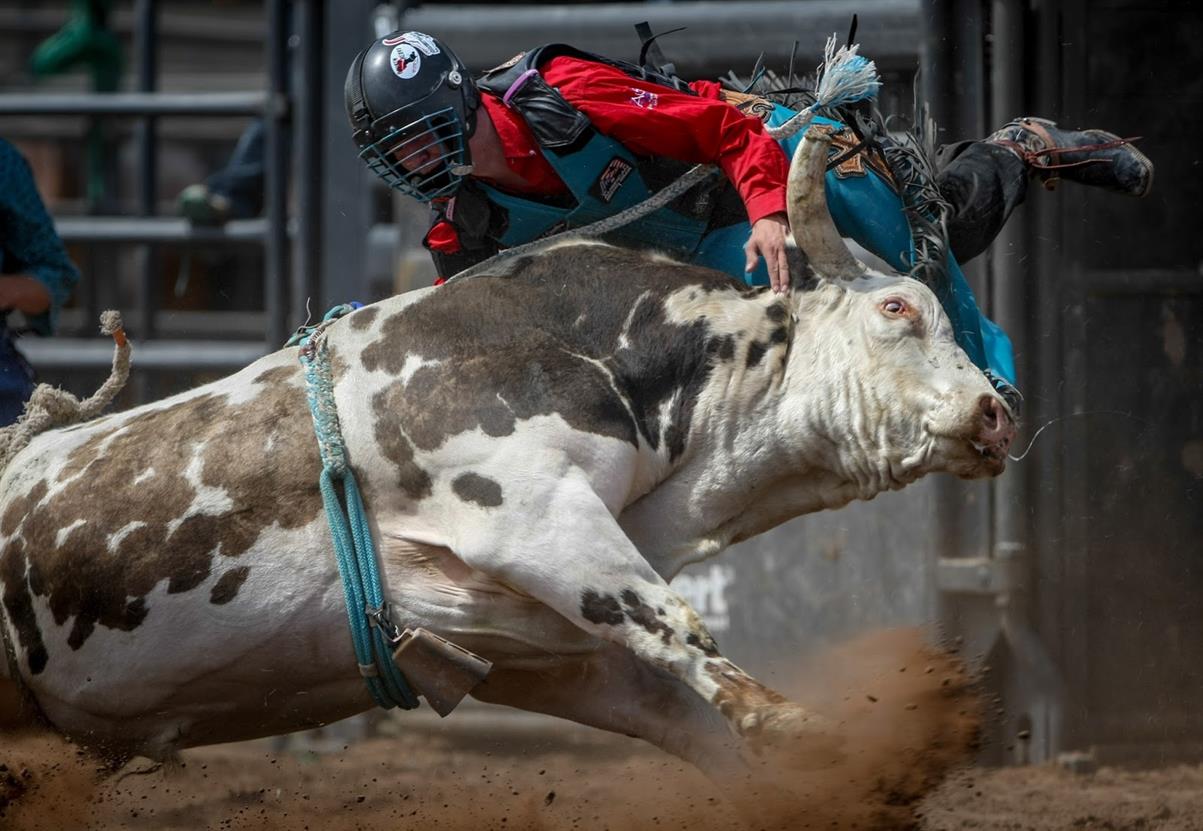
{"points": [[373, 634]]}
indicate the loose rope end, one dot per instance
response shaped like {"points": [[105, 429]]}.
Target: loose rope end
{"points": [[845, 77], [111, 324], [51, 407]]}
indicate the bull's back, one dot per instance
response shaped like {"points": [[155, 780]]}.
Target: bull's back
{"points": [[587, 333]]}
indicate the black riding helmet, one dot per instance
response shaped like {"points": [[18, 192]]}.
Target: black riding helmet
{"points": [[410, 99]]}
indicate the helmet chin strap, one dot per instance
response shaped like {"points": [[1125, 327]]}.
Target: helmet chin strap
{"points": [[462, 170]]}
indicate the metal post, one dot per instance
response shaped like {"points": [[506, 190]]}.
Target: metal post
{"points": [[145, 14], [1064, 383], [960, 517], [275, 253], [1036, 692], [308, 94], [346, 203], [137, 103]]}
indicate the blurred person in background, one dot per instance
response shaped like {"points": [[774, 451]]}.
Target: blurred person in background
{"points": [[557, 138], [36, 275], [235, 191]]}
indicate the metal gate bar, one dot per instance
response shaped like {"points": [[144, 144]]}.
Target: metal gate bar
{"points": [[147, 104]]}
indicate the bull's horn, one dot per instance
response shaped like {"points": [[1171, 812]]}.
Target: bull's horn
{"points": [[809, 218]]}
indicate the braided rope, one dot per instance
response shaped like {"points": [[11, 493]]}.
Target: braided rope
{"points": [[844, 77], [319, 390], [354, 549], [49, 407]]}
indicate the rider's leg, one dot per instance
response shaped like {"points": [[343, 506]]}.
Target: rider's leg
{"points": [[985, 180], [982, 183]]}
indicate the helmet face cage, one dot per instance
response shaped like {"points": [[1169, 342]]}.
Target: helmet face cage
{"points": [[425, 158]]}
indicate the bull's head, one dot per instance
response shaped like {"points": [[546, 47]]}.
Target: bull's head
{"points": [[903, 398]]}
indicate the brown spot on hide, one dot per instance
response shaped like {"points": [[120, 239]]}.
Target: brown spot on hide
{"points": [[227, 586], [703, 641], [472, 487], [395, 446], [506, 349], [644, 615], [261, 453], [363, 318], [19, 507], [18, 604], [777, 313], [726, 348], [278, 374], [600, 608], [756, 351]]}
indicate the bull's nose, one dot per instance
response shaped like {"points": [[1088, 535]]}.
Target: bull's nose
{"points": [[995, 426]]}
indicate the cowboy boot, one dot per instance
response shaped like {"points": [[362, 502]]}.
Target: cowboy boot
{"points": [[1090, 157]]}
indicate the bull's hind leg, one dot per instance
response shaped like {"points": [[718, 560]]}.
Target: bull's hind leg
{"points": [[612, 690], [578, 561]]}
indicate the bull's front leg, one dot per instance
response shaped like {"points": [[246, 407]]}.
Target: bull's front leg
{"points": [[576, 559]]}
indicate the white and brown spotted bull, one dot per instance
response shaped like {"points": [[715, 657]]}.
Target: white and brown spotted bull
{"points": [[541, 450]]}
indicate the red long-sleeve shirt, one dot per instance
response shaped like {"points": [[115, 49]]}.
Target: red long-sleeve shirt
{"points": [[651, 120]]}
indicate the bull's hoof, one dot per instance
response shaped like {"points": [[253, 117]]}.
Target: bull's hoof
{"points": [[794, 737]]}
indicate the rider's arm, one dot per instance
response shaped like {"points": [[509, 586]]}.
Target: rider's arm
{"points": [[653, 120]]}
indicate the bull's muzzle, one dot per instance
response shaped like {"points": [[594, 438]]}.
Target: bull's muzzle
{"points": [[995, 429]]}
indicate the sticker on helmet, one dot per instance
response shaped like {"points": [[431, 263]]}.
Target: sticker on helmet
{"points": [[405, 61], [422, 42]]}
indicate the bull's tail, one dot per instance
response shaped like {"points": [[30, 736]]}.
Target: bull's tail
{"points": [[51, 407]]}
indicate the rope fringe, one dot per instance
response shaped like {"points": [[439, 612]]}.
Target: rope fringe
{"points": [[50, 407]]}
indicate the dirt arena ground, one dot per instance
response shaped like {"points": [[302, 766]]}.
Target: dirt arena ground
{"points": [[909, 726]]}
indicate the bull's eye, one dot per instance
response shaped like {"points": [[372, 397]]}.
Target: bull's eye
{"points": [[895, 307]]}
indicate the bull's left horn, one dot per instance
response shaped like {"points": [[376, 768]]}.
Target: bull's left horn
{"points": [[806, 202]]}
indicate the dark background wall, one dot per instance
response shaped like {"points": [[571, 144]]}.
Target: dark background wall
{"points": [[1131, 331], [1076, 575]]}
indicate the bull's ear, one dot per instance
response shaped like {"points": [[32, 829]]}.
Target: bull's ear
{"points": [[806, 202]]}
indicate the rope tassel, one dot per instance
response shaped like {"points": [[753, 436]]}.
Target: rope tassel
{"points": [[844, 78]]}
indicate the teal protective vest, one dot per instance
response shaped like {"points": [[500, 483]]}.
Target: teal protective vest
{"points": [[603, 178]]}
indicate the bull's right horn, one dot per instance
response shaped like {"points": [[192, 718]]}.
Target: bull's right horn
{"points": [[806, 202]]}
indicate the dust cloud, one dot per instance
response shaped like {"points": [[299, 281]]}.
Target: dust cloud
{"points": [[906, 714]]}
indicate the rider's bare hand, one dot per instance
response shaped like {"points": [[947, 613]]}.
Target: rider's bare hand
{"points": [[768, 240]]}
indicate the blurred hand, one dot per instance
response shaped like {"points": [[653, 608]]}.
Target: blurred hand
{"points": [[768, 241], [26, 294]]}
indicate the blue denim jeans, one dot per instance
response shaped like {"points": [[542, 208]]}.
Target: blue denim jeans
{"points": [[16, 379]]}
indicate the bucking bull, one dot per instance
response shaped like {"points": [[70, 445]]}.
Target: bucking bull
{"points": [[540, 450]]}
